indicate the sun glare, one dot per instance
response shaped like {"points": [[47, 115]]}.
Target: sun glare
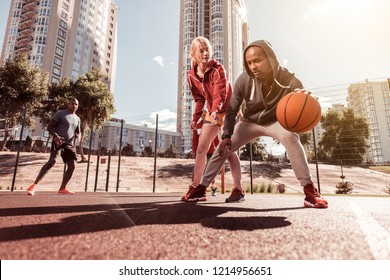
{"points": [[334, 9], [242, 11]]}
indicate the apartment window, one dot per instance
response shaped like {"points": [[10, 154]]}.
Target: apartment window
{"points": [[40, 49], [43, 21], [61, 33], [41, 40], [44, 12], [63, 24], [65, 6], [55, 80], [16, 13], [41, 30], [56, 71], [13, 31], [18, 5], [60, 42], [64, 15], [57, 61], [59, 52], [45, 3]]}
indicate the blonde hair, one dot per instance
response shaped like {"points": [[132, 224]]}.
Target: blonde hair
{"points": [[196, 44]]}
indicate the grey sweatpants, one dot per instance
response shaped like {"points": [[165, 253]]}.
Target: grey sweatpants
{"points": [[244, 132]]}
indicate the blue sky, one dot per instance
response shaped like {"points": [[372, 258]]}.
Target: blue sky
{"points": [[327, 43]]}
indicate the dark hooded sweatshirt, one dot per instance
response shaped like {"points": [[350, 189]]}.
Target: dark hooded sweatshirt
{"points": [[247, 92]]}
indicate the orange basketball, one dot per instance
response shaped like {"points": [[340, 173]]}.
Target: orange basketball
{"points": [[298, 111]]}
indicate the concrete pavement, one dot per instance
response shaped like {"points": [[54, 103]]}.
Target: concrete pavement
{"points": [[146, 226]]}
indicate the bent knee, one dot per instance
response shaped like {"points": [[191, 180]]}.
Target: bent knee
{"points": [[289, 137]]}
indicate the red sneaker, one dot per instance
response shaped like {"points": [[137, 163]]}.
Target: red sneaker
{"points": [[31, 189], [197, 193], [313, 198], [236, 196], [65, 191]]}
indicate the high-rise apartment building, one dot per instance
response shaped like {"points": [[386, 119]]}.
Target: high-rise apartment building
{"points": [[372, 101], [64, 38], [224, 23]]}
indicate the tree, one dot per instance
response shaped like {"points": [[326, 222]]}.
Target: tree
{"points": [[128, 150], [96, 102], [258, 151], [58, 94], [148, 152], [22, 90], [170, 152], [345, 136]]}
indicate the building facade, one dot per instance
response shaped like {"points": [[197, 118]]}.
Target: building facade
{"points": [[225, 24], [371, 100], [139, 137], [64, 38]]}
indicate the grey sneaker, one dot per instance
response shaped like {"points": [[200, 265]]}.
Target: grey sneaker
{"points": [[213, 191], [236, 196]]}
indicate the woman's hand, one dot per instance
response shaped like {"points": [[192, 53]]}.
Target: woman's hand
{"points": [[214, 119], [193, 125]]}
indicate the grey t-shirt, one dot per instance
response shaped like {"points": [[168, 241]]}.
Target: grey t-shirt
{"points": [[65, 124]]}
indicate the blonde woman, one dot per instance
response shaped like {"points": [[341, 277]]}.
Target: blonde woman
{"points": [[211, 91]]}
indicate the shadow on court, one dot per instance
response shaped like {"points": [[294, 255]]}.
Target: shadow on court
{"points": [[80, 219]]}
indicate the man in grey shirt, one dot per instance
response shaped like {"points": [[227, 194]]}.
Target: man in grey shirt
{"points": [[64, 127]]}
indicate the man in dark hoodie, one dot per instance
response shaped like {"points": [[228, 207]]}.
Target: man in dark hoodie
{"points": [[259, 89]]}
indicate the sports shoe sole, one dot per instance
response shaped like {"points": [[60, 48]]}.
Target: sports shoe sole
{"points": [[235, 201], [65, 193], [32, 193], [196, 199], [317, 205]]}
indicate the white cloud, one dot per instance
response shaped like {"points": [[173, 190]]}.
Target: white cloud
{"points": [[164, 115], [166, 120], [159, 60]]}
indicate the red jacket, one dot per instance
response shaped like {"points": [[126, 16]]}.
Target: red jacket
{"points": [[214, 89]]}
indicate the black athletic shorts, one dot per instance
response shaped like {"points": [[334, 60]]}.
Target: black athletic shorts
{"points": [[68, 152]]}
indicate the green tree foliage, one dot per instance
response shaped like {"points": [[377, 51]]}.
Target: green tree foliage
{"points": [[58, 94], [128, 150], [258, 151], [170, 152], [147, 152], [22, 88], [344, 139], [96, 102]]}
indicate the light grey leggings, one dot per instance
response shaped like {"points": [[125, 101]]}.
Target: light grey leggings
{"points": [[244, 132]]}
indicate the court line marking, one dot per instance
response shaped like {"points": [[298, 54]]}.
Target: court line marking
{"points": [[377, 237]]}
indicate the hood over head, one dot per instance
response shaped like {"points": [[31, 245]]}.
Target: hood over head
{"points": [[267, 47]]}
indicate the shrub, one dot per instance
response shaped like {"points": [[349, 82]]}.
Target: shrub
{"points": [[260, 188], [281, 188], [344, 187]]}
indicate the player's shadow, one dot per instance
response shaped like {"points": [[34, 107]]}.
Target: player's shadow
{"points": [[259, 169], [176, 170], [266, 170], [95, 218], [7, 162]]}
